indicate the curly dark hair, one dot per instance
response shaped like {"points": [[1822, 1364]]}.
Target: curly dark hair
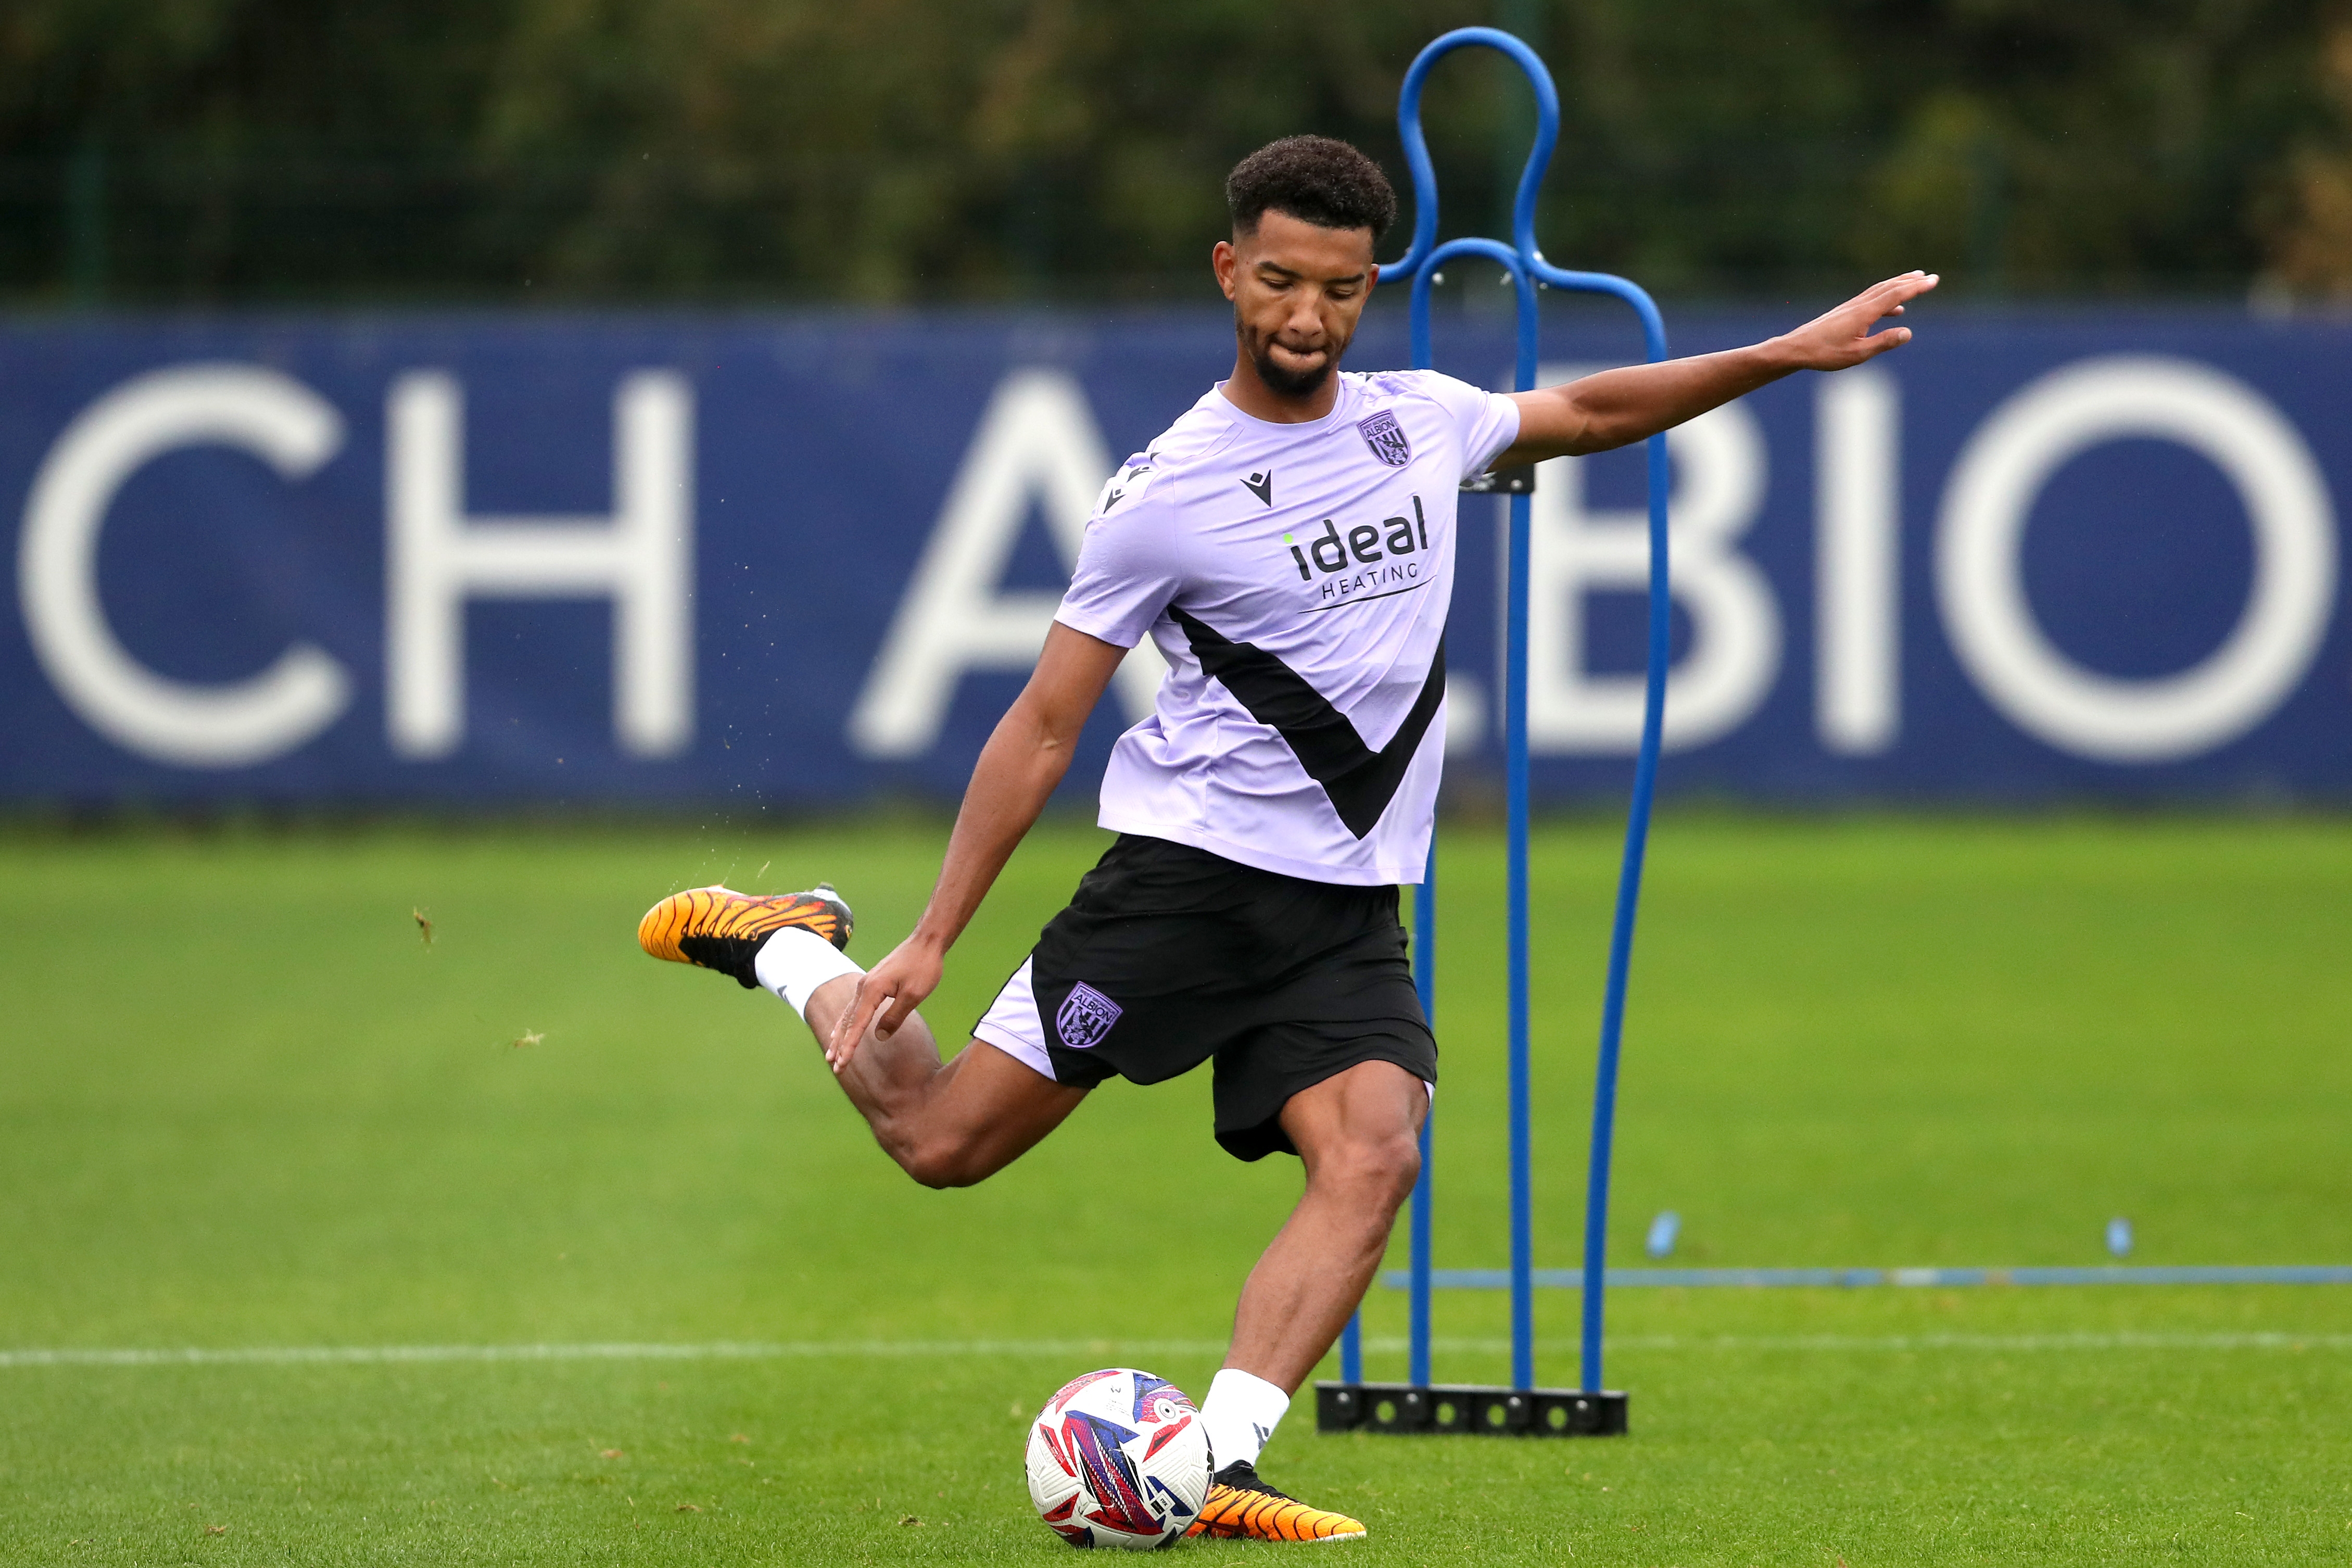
{"points": [[1314, 179]]}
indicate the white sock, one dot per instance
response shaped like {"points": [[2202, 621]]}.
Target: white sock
{"points": [[1241, 1413], [793, 963]]}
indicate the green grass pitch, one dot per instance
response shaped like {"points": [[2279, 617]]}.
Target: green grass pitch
{"points": [[242, 1105]]}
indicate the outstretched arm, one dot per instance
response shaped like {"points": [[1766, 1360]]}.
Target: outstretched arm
{"points": [[1616, 408], [1018, 769]]}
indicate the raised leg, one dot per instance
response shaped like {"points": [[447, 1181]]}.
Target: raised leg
{"points": [[948, 1124], [1358, 1136]]}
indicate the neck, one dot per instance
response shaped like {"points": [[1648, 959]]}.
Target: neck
{"points": [[1247, 392]]}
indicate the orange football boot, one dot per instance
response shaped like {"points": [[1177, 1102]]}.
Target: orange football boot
{"points": [[720, 928], [1241, 1507]]}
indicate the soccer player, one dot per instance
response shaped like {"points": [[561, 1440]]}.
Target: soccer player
{"points": [[1288, 544]]}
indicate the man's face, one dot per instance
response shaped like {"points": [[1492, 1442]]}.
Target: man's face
{"points": [[1297, 291]]}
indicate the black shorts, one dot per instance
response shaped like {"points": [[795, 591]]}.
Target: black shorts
{"points": [[1168, 957]]}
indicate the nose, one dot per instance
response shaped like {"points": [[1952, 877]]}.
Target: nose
{"points": [[1305, 319]]}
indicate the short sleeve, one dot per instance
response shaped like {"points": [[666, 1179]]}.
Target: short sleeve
{"points": [[1489, 422], [1128, 571]]}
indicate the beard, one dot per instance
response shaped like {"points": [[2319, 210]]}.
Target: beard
{"points": [[1280, 379]]}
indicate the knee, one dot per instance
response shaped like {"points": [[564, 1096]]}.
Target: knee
{"points": [[1383, 1168], [940, 1163]]}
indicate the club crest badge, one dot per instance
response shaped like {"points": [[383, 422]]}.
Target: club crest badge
{"points": [[1385, 437], [1085, 1017]]}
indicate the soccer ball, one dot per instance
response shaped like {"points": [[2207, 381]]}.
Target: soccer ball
{"points": [[1118, 1458]]}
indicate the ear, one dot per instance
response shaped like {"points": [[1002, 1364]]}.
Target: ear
{"points": [[1224, 261]]}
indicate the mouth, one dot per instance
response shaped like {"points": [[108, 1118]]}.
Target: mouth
{"points": [[1295, 358], [1288, 368]]}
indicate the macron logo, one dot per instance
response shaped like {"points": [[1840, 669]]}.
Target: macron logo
{"points": [[1261, 485]]}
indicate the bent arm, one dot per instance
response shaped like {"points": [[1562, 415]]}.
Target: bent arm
{"points": [[1025, 757], [1617, 407]]}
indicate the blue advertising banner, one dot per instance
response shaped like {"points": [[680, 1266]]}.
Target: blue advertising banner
{"points": [[805, 559]]}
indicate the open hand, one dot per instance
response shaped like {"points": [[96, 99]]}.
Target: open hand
{"points": [[902, 980], [1843, 337]]}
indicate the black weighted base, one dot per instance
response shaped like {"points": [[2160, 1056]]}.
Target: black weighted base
{"points": [[1477, 1408]]}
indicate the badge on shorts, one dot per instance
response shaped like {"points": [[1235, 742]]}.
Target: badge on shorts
{"points": [[1385, 437], [1085, 1017]]}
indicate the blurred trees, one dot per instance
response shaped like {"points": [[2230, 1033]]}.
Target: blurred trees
{"points": [[2309, 230], [297, 151]]}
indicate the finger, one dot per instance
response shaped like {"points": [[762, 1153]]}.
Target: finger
{"points": [[1871, 305], [858, 989], [851, 1031], [1889, 298], [893, 1018], [1903, 288], [879, 999], [1891, 337], [850, 1027]]}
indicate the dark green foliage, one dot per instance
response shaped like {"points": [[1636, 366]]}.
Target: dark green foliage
{"points": [[891, 150]]}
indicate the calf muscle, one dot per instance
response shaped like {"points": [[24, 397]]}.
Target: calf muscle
{"points": [[947, 1124], [1358, 1136]]}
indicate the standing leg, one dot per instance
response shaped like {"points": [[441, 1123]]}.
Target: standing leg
{"points": [[1358, 1135]]}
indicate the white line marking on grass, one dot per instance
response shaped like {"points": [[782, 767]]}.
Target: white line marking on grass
{"points": [[855, 1349], [2081, 1342]]}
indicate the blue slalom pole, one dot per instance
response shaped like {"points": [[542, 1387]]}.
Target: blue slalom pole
{"points": [[1424, 975], [1515, 744], [1528, 269], [1515, 749], [1621, 931]]}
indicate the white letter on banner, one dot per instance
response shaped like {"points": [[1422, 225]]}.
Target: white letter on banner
{"points": [[228, 725], [1857, 562], [642, 558], [1991, 493], [1037, 440], [1575, 550]]}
